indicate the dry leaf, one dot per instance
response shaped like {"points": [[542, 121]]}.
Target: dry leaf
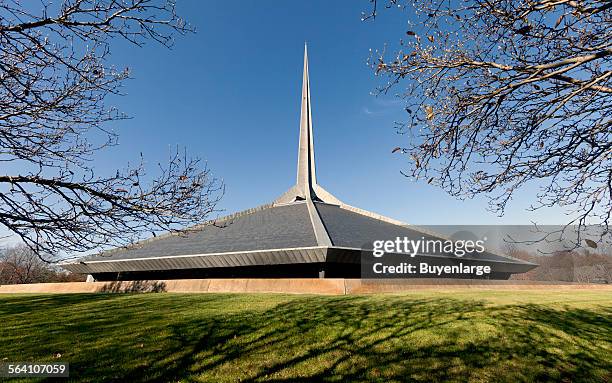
{"points": [[429, 112], [591, 243]]}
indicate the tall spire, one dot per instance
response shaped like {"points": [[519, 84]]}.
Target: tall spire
{"points": [[306, 187], [306, 162]]}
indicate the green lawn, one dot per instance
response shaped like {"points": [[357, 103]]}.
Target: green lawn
{"points": [[425, 336]]}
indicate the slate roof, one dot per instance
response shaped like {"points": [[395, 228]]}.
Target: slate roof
{"points": [[350, 229], [277, 227], [274, 228]]}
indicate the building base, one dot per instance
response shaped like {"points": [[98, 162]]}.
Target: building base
{"points": [[332, 286]]}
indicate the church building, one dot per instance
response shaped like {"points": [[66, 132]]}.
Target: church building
{"points": [[305, 233]]}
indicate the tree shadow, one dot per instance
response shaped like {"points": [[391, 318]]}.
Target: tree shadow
{"points": [[133, 287], [351, 338], [361, 341]]}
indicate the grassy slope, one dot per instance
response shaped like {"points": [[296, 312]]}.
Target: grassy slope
{"points": [[424, 336]]}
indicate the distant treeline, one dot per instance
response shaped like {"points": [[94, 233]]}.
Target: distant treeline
{"points": [[19, 264], [568, 266]]}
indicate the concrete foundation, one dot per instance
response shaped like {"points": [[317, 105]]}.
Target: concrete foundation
{"points": [[288, 286]]}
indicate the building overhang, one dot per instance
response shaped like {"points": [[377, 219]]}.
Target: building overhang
{"points": [[302, 255]]}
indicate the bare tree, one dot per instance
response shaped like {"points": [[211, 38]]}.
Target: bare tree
{"points": [[503, 93], [54, 79], [19, 264]]}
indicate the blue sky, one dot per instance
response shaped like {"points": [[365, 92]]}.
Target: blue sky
{"points": [[230, 93]]}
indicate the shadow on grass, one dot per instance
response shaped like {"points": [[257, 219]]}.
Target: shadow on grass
{"points": [[231, 337], [134, 287]]}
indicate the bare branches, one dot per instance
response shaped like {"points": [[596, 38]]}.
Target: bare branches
{"points": [[54, 80], [501, 94], [372, 14], [54, 77], [96, 20], [19, 264], [64, 214]]}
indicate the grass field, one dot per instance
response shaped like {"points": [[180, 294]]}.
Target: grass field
{"points": [[425, 336]]}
